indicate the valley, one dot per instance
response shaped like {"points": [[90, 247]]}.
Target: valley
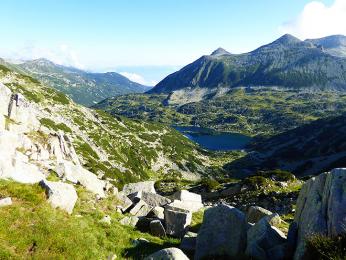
{"points": [[250, 141]]}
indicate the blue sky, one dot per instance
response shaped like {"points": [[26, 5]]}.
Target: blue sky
{"points": [[148, 38]]}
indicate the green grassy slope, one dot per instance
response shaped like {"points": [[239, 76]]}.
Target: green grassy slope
{"points": [[249, 111]]}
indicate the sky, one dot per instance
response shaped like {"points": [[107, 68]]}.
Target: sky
{"points": [[145, 40]]}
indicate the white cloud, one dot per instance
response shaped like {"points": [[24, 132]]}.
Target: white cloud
{"points": [[318, 20], [62, 55], [138, 78]]}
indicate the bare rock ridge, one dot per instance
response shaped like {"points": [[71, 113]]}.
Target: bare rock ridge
{"points": [[23, 158]]}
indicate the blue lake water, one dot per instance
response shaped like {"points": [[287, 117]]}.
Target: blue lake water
{"points": [[214, 140]]}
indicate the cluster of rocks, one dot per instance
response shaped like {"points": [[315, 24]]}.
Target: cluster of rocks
{"points": [[160, 215], [228, 233], [30, 152]]}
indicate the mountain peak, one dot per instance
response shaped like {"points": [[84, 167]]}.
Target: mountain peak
{"points": [[287, 39], [220, 51]]}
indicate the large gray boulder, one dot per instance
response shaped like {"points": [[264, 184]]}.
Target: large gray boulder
{"points": [[185, 195], [177, 222], [191, 206], [261, 238], [321, 208], [147, 186], [153, 199], [140, 209], [223, 233], [255, 213], [60, 195], [168, 254]]}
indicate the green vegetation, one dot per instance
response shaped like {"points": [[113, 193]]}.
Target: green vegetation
{"points": [[326, 248], [251, 112], [30, 228], [52, 125]]}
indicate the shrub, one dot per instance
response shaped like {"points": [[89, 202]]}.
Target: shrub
{"points": [[255, 181], [210, 184], [323, 247]]}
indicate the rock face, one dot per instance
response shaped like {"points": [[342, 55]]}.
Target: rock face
{"points": [[60, 195], [321, 207], [255, 213], [147, 186], [5, 202], [77, 174], [261, 238], [168, 254], [223, 233], [177, 222]]}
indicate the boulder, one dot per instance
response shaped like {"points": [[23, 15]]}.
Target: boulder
{"points": [[147, 186], [5, 202], [184, 195], [140, 209], [223, 233], [177, 222], [157, 212], [129, 221], [125, 202], [188, 243], [255, 213], [320, 208], [77, 174], [168, 254], [192, 206], [261, 238], [60, 195], [157, 229], [153, 199]]}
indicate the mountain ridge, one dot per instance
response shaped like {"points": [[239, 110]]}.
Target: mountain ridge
{"points": [[86, 88], [285, 63]]}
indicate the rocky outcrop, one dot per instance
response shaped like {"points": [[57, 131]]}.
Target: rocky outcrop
{"points": [[153, 199], [222, 234], [77, 174], [60, 195], [168, 254], [321, 208]]}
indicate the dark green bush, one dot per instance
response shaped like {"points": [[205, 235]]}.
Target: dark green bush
{"points": [[256, 181], [278, 175], [210, 184]]}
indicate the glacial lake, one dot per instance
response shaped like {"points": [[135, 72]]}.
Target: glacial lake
{"points": [[214, 140]]}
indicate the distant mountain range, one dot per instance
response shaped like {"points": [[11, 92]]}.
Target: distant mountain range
{"points": [[317, 64], [83, 87]]}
